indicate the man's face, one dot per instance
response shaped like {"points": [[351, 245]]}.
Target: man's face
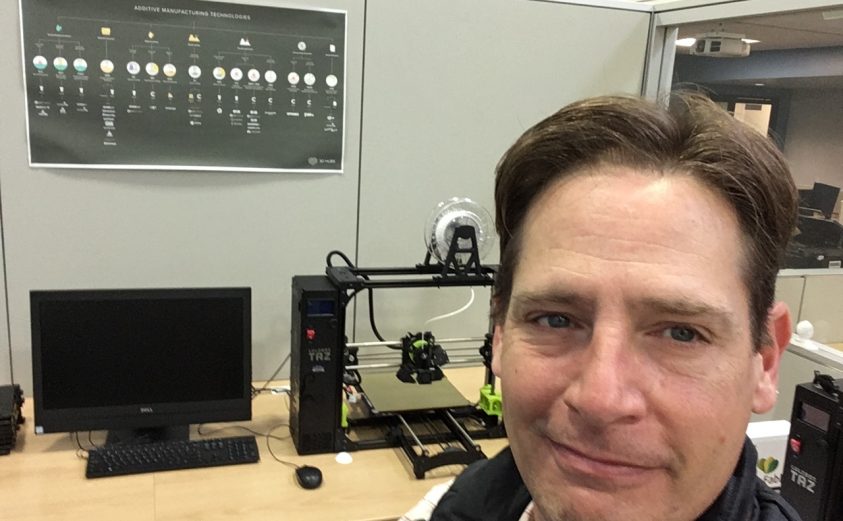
{"points": [[626, 362]]}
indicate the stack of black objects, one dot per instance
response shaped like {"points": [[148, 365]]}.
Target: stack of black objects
{"points": [[11, 401]]}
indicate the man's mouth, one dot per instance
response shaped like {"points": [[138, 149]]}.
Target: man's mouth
{"points": [[600, 467]]}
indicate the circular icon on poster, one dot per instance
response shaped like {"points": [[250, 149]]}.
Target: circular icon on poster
{"points": [[254, 75], [312, 161], [107, 66], [302, 46], [293, 78], [219, 73], [60, 64], [169, 70], [152, 69], [40, 62], [236, 74], [331, 80], [309, 78], [194, 71], [270, 76], [133, 67], [80, 65]]}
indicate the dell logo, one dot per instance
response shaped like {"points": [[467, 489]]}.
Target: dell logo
{"points": [[146, 410]]}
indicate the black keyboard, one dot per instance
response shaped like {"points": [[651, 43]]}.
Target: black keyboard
{"points": [[116, 460]]}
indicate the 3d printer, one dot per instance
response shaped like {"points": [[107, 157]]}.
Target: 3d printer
{"points": [[812, 479], [336, 405]]}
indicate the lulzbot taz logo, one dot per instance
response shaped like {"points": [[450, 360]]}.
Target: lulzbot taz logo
{"points": [[320, 354], [803, 479], [768, 465]]}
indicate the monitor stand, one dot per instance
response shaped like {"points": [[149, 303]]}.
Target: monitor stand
{"points": [[147, 435]]}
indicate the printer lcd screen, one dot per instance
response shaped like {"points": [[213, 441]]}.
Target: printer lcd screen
{"points": [[816, 417]]}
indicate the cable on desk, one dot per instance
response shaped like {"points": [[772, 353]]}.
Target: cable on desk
{"points": [[81, 452], [256, 392], [91, 441], [247, 429]]}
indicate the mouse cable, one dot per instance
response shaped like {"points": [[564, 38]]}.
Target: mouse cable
{"points": [[272, 453]]}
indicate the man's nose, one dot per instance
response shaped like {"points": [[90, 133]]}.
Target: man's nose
{"points": [[608, 386]]}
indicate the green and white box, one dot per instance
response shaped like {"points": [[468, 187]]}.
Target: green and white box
{"points": [[770, 439]]}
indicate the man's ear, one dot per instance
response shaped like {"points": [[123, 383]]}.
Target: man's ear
{"points": [[778, 328], [497, 346]]}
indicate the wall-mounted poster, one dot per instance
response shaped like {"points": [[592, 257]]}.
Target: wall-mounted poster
{"points": [[183, 84]]}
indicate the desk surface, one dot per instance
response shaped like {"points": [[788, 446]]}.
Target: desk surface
{"points": [[43, 479]]}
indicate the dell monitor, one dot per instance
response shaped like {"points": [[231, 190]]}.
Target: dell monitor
{"points": [[143, 364]]}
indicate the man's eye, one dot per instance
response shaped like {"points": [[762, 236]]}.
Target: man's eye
{"points": [[682, 333], [554, 321]]}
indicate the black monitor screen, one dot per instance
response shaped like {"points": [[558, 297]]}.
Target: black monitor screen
{"points": [[106, 359], [806, 198], [824, 198]]}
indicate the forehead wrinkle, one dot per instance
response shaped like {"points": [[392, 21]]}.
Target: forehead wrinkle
{"points": [[656, 185], [581, 256], [634, 245]]}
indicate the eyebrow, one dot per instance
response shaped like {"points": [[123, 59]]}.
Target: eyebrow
{"points": [[551, 297], [684, 307]]}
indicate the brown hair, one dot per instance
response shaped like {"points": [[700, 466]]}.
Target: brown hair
{"points": [[692, 137]]}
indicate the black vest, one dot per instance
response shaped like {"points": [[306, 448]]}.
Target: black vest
{"points": [[492, 490]]}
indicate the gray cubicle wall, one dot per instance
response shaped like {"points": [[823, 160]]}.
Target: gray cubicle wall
{"points": [[822, 305], [446, 86], [116, 229], [449, 86]]}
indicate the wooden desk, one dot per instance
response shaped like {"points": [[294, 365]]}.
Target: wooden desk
{"points": [[43, 479]]}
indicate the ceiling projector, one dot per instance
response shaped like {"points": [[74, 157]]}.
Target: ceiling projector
{"points": [[720, 45]]}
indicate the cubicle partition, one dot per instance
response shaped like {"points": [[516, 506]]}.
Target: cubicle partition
{"points": [[435, 92], [812, 295]]}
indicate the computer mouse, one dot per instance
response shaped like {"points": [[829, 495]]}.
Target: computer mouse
{"points": [[309, 477]]}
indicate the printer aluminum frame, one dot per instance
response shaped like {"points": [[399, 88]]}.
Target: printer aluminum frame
{"points": [[319, 421]]}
